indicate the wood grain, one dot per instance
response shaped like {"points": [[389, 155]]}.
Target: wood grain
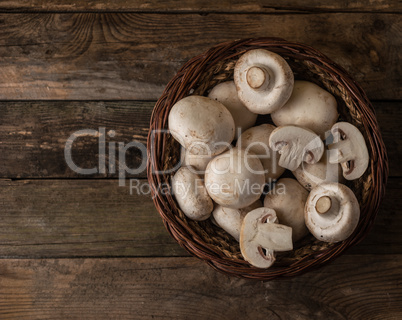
{"points": [[64, 218], [353, 287], [103, 56], [97, 218], [233, 6], [33, 137]]}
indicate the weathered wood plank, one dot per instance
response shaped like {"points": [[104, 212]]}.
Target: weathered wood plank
{"points": [[353, 287], [33, 136], [133, 56], [60, 218], [67, 218], [235, 6]]}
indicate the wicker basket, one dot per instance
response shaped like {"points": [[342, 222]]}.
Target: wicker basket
{"points": [[210, 243]]}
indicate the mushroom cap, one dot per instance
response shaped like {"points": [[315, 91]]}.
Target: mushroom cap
{"points": [[196, 162], [230, 219], [226, 93], [288, 198], [264, 81], [311, 175], [332, 212], [256, 140], [310, 107], [191, 195], [201, 125], [349, 149], [235, 179], [295, 145], [260, 231]]}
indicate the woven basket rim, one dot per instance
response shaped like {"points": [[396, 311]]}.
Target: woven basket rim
{"points": [[188, 79]]}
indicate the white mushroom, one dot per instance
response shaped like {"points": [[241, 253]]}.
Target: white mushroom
{"points": [[196, 162], [349, 149], [311, 175], [256, 140], [226, 93], [261, 236], [288, 198], [264, 81], [191, 195], [332, 212], [230, 219], [201, 125], [310, 107], [295, 145], [235, 179]]}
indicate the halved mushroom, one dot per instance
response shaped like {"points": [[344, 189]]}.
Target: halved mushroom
{"points": [[332, 212], [191, 195], [226, 93], [310, 107], [230, 219], [256, 140], [311, 175], [349, 149], [295, 145], [261, 236], [264, 81], [201, 125], [288, 198], [235, 179]]}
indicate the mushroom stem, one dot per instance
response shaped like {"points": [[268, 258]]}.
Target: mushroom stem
{"points": [[256, 77], [274, 236], [340, 151], [323, 205]]}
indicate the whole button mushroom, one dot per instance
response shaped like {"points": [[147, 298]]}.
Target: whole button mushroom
{"points": [[295, 145], [235, 179], [264, 81], [349, 149], [201, 125], [191, 195], [261, 236], [310, 107], [288, 198], [230, 219], [311, 175], [332, 212], [256, 140], [226, 93]]}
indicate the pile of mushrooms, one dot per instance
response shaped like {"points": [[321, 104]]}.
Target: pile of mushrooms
{"points": [[303, 159]]}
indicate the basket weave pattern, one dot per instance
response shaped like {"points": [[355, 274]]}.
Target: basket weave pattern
{"points": [[210, 243]]}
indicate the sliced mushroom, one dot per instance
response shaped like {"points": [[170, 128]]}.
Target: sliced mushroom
{"points": [[332, 212], [288, 198], [201, 125], [310, 107], [226, 93], [295, 145], [311, 175], [264, 81], [349, 149], [230, 219], [191, 195], [235, 179], [256, 140], [261, 236]]}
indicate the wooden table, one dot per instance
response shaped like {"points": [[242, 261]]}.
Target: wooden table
{"points": [[77, 246]]}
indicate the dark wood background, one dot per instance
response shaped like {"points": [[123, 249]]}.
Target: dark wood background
{"points": [[81, 247]]}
